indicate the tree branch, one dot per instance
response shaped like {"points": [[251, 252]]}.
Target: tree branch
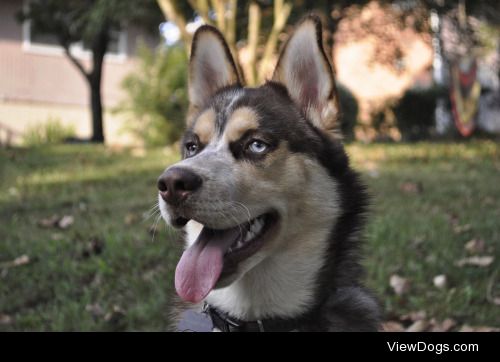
{"points": [[76, 62], [254, 18], [281, 12], [231, 23], [170, 12], [220, 11], [202, 8]]}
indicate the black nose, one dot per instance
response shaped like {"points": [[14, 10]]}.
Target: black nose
{"points": [[177, 183]]}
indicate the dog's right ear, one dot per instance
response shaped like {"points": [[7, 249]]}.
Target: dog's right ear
{"points": [[211, 66], [304, 69]]}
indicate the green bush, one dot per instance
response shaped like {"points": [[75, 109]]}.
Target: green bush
{"points": [[50, 132], [415, 113], [157, 95], [349, 112]]}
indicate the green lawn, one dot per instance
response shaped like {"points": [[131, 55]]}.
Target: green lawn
{"points": [[105, 271]]}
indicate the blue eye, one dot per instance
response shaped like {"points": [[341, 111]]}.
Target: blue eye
{"points": [[257, 146]]}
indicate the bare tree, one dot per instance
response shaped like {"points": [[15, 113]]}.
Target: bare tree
{"points": [[257, 62]]}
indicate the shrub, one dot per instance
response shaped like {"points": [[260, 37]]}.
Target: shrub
{"points": [[349, 112], [415, 113], [157, 95], [50, 132]]}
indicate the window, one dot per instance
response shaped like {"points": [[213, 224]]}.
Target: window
{"points": [[42, 38], [117, 43], [37, 41]]}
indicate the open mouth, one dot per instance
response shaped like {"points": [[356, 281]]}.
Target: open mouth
{"points": [[218, 252]]}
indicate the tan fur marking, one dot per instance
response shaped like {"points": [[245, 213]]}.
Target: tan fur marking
{"points": [[205, 126], [242, 120]]}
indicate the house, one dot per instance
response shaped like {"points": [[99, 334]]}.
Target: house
{"points": [[38, 82]]}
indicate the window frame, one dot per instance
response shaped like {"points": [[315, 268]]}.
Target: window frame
{"points": [[76, 49]]}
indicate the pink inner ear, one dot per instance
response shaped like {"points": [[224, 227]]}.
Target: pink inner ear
{"points": [[209, 74], [307, 79]]}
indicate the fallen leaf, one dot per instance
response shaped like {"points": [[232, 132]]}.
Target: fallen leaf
{"points": [[399, 284], [414, 316], [418, 326], [57, 236], [392, 326], [467, 328], [448, 324], [116, 310], [5, 319], [411, 187], [56, 221], [95, 310], [48, 222], [116, 318], [417, 241], [445, 326], [453, 218], [440, 281], [94, 246], [460, 229], [21, 260], [475, 246], [65, 222], [480, 261]]}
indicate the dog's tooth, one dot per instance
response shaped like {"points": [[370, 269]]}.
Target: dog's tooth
{"points": [[249, 236], [257, 226]]}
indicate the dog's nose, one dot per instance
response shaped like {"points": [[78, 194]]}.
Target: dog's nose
{"points": [[177, 183]]}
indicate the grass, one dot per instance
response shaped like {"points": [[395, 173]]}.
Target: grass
{"points": [[104, 272]]}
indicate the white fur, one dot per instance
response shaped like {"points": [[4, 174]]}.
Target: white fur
{"points": [[278, 281]]}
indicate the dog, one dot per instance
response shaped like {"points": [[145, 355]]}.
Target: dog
{"points": [[270, 209]]}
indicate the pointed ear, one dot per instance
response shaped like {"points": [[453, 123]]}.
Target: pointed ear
{"points": [[211, 66], [304, 69]]}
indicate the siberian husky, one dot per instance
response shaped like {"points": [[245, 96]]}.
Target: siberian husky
{"points": [[270, 208]]}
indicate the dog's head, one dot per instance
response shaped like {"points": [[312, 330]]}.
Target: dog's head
{"points": [[253, 172]]}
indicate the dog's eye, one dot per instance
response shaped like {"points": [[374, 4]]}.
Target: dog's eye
{"points": [[257, 146], [191, 148]]}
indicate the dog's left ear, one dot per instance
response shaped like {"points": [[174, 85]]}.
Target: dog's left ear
{"points": [[304, 69]]}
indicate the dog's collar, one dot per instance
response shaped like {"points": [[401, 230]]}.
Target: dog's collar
{"points": [[221, 321]]}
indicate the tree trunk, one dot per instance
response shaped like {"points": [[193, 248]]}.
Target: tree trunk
{"points": [[99, 48], [282, 10], [96, 107]]}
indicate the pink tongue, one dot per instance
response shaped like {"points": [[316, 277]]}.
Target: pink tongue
{"points": [[201, 265]]}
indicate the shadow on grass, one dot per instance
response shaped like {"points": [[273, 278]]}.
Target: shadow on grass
{"points": [[104, 272]]}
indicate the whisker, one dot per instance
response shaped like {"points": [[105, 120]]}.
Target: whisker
{"points": [[235, 219], [245, 207], [152, 211], [154, 227]]}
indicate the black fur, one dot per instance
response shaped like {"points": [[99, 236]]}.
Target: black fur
{"points": [[342, 303]]}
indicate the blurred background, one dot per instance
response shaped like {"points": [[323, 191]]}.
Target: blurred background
{"points": [[92, 103]]}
